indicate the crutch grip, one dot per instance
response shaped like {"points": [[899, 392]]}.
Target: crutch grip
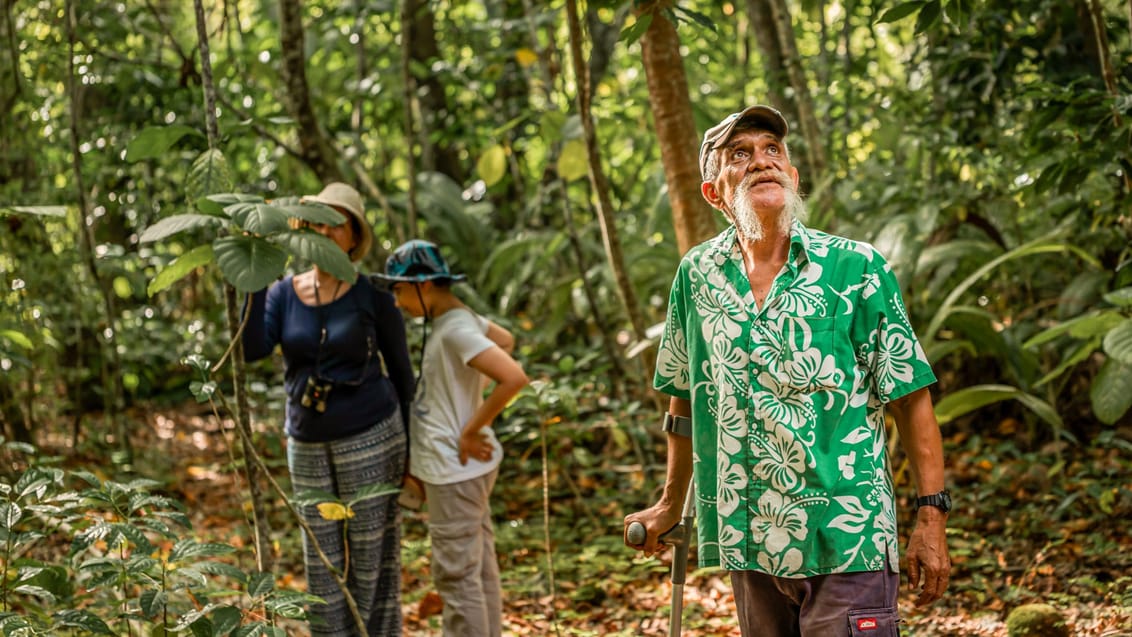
{"points": [[672, 537]]}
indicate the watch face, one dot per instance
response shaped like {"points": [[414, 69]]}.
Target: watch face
{"points": [[945, 499]]}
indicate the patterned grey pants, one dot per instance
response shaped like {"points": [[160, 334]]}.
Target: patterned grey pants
{"points": [[371, 540]]}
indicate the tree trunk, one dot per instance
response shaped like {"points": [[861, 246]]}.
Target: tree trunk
{"points": [[409, 86], [262, 527], [807, 120], [435, 113], [774, 68], [316, 149], [111, 366], [601, 190], [675, 130]]}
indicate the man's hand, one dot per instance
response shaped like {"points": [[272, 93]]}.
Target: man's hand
{"points": [[656, 519], [929, 565]]}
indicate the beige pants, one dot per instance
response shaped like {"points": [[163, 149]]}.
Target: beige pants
{"points": [[464, 567]]}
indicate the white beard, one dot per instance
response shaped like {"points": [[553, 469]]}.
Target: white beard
{"points": [[747, 221]]}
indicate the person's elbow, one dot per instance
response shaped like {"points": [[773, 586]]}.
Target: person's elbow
{"points": [[515, 382]]}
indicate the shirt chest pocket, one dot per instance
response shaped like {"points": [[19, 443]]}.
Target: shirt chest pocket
{"points": [[810, 362]]}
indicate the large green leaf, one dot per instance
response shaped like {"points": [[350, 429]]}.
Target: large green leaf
{"points": [[1121, 297], [901, 11], [209, 175], [319, 250], [1118, 342], [181, 266], [1041, 245], [1084, 326], [41, 211], [215, 204], [1077, 355], [249, 263], [1111, 393], [16, 338], [258, 218], [155, 141], [312, 212], [177, 223], [969, 399]]}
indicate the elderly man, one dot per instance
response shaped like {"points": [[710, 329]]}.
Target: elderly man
{"points": [[782, 349]]}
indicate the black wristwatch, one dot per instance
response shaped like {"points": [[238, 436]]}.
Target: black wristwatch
{"points": [[941, 501]]}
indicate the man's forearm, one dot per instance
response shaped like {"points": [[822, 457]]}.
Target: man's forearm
{"points": [[921, 440]]}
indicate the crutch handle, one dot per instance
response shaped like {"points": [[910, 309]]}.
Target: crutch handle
{"points": [[672, 537]]}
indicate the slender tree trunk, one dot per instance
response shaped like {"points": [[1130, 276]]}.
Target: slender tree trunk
{"points": [[601, 190], [316, 149], [409, 85], [111, 366], [435, 113], [774, 72], [1091, 17], [675, 130], [261, 525]]}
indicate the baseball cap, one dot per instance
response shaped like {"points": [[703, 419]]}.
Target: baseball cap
{"points": [[766, 117]]}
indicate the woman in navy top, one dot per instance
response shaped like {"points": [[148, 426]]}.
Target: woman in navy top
{"points": [[349, 383]]}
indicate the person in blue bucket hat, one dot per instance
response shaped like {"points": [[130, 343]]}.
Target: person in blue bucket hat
{"points": [[453, 450]]}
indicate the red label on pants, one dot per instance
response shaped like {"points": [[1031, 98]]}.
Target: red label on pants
{"points": [[867, 623]]}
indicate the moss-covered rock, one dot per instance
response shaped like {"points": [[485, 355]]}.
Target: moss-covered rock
{"points": [[1036, 620]]}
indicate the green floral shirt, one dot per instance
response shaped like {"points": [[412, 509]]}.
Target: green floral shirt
{"points": [[788, 435]]}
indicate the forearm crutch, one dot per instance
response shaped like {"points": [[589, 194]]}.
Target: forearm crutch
{"points": [[679, 537]]}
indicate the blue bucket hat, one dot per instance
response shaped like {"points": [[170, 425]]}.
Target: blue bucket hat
{"points": [[416, 261]]}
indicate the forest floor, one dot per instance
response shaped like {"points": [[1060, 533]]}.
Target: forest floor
{"points": [[1050, 525]]}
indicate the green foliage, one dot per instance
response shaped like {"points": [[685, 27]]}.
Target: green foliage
{"points": [[260, 242], [132, 561]]}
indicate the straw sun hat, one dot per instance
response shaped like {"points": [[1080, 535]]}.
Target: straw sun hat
{"points": [[343, 198]]}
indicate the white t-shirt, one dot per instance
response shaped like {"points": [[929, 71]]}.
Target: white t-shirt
{"points": [[449, 393]]}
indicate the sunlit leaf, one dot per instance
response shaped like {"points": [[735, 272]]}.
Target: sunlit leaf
{"points": [[41, 211], [177, 223], [16, 338], [492, 165], [156, 141], [180, 267], [334, 511], [573, 162], [526, 57], [901, 11], [969, 399], [633, 32]]}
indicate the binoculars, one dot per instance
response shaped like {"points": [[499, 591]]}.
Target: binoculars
{"points": [[315, 393]]}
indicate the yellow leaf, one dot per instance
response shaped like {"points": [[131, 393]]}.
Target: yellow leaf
{"points": [[492, 165], [526, 57], [334, 511], [573, 163]]}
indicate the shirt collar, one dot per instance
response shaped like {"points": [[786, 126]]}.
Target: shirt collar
{"points": [[726, 244]]}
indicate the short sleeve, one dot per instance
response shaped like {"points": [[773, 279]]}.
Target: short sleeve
{"points": [[896, 361], [467, 339], [672, 373]]}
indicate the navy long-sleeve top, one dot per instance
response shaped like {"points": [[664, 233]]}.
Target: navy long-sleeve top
{"points": [[359, 331]]}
